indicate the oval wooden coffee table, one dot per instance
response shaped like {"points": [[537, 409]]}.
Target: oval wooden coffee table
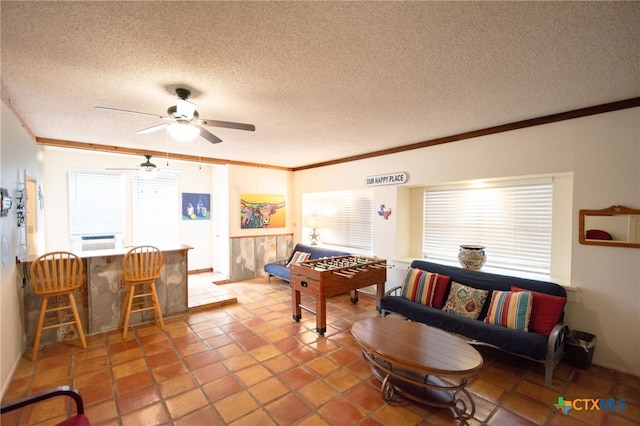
{"points": [[420, 362]]}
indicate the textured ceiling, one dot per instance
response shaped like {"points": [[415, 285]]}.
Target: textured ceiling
{"points": [[320, 80]]}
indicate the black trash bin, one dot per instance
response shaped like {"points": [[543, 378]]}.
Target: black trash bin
{"points": [[579, 348]]}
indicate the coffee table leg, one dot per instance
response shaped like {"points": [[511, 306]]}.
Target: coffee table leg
{"points": [[388, 390], [460, 405]]}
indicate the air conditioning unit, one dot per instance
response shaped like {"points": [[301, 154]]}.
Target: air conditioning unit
{"points": [[96, 242]]}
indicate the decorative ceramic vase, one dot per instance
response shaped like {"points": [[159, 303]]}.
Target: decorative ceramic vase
{"points": [[472, 256]]}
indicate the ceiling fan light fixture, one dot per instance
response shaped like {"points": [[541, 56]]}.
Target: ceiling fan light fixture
{"points": [[183, 132]]}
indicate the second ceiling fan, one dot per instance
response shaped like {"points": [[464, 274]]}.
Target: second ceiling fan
{"points": [[185, 122]]}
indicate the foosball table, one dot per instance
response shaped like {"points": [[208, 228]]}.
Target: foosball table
{"points": [[322, 278]]}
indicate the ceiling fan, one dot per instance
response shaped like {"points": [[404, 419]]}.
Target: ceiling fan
{"points": [[146, 167], [186, 123]]}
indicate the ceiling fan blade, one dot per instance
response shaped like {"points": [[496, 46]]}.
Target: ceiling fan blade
{"points": [[131, 112], [151, 129], [227, 124], [209, 136]]}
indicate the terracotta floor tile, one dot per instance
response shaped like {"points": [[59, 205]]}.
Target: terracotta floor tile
{"points": [[168, 371], [342, 380], [185, 403], [366, 396], [204, 416], [137, 399], [341, 411], [288, 409], [322, 366], [253, 342], [531, 410], [98, 393], [268, 390], [177, 384], [279, 363], [228, 351], [134, 381], [201, 359], [254, 374], [151, 415], [222, 388], [128, 368], [239, 362], [258, 417], [297, 377], [317, 393], [210, 372], [162, 358], [52, 377], [392, 414], [265, 352], [236, 406]]}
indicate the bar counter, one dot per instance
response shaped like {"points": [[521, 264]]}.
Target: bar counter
{"points": [[100, 298]]}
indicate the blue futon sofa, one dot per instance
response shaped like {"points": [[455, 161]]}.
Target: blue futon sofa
{"points": [[542, 342], [280, 268]]}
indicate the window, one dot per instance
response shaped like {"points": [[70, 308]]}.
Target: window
{"points": [[96, 205], [156, 210], [512, 219], [346, 217]]}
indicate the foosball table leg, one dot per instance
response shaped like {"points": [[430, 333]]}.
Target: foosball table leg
{"points": [[354, 296]]}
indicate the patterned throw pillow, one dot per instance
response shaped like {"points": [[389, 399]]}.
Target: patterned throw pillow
{"points": [[299, 256], [510, 309], [419, 286], [465, 301], [546, 311]]}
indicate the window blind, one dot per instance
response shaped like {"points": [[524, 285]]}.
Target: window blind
{"points": [[346, 217], [156, 210], [96, 203], [512, 220]]}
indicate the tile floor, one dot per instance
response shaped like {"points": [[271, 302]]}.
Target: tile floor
{"points": [[249, 363]]}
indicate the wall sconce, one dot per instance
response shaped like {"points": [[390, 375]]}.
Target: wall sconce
{"points": [[313, 222]]}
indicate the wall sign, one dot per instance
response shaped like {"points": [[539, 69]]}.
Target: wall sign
{"points": [[396, 178]]}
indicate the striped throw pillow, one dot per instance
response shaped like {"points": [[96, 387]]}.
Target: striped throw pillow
{"points": [[299, 256], [419, 286], [510, 309]]}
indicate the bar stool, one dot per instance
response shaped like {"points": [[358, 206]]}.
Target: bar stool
{"points": [[56, 275], [141, 267]]}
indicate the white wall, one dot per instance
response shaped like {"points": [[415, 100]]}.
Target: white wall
{"points": [[602, 152], [18, 152], [194, 178]]}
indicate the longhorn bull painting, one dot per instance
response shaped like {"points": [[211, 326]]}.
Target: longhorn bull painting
{"points": [[262, 211]]}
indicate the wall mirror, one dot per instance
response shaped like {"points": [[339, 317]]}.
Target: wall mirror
{"points": [[616, 226]]}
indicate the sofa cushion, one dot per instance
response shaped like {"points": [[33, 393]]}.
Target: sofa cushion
{"points": [[510, 309], [465, 301], [419, 286], [546, 311], [299, 256], [533, 345]]}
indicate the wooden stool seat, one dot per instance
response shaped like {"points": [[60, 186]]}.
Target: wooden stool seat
{"points": [[56, 275], [141, 267]]}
